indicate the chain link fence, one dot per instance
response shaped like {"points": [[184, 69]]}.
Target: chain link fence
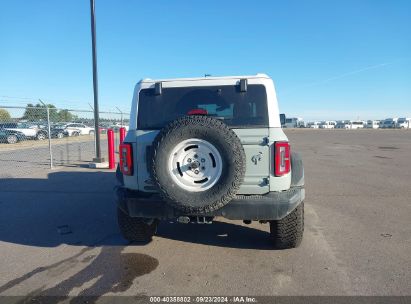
{"points": [[40, 137]]}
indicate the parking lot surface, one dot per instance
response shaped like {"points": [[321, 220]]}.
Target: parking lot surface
{"points": [[31, 156], [59, 236]]}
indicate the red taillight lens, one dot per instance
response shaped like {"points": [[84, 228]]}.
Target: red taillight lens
{"points": [[282, 164], [197, 112], [126, 159]]}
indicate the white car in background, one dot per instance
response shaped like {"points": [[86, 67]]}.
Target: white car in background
{"points": [[29, 130], [373, 124], [116, 127], [78, 129], [327, 124], [357, 124], [403, 123]]}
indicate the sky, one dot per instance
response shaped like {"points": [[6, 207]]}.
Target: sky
{"points": [[340, 59]]}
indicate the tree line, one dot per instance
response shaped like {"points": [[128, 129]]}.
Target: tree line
{"points": [[38, 112]]}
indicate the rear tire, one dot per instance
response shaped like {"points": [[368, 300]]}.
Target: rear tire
{"points": [[41, 136], [136, 229], [288, 232], [217, 154]]}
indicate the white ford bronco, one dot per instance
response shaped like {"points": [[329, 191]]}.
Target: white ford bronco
{"points": [[198, 148]]}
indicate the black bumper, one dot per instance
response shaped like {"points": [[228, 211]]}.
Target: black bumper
{"points": [[272, 206]]}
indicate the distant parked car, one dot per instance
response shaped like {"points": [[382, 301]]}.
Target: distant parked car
{"points": [[313, 125], [342, 125], [103, 130], [293, 122], [357, 124], [29, 130], [72, 132], [79, 129], [116, 127], [327, 124], [389, 123], [58, 131], [373, 124], [403, 123], [11, 136]]}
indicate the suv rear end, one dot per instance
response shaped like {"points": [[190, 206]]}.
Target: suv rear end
{"points": [[268, 179]]}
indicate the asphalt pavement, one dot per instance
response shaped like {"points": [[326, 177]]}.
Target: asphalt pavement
{"points": [[59, 236]]}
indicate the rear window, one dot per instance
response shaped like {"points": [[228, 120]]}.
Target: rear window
{"points": [[237, 109]]}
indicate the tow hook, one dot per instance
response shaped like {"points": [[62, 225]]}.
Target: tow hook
{"points": [[195, 219], [204, 219], [183, 219]]}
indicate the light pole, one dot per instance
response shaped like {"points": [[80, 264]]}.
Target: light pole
{"points": [[98, 158]]}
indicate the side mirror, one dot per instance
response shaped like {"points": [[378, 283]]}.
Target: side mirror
{"points": [[282, 119]]}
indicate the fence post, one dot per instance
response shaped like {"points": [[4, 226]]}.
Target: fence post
{"points": [[94, 135], [49, 133], [110, 142]]}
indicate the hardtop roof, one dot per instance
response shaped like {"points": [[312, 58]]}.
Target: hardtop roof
{"points": [[257, 76]]}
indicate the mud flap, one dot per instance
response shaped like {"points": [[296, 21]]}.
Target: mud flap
{"points": [[297, 170]]}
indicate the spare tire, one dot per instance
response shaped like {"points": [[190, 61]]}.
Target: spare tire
{"points": [[198, 164]]}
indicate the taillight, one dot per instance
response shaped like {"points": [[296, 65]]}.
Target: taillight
{"points": [[197, 112], [126, 159], [282, 163]]}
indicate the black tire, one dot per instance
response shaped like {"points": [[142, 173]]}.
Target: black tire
{"points": [[233, 164], [12, 139], [119, 176], [75, 133], [288, 232], [136, 229], [41, 136]]}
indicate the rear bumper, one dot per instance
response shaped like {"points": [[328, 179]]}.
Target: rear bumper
{"points": [[272, 206]]}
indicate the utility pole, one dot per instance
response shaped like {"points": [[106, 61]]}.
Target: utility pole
{"points": [[98, 158]]}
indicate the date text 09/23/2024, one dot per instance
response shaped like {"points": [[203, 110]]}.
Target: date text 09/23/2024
{"points": [[203, 299]]}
